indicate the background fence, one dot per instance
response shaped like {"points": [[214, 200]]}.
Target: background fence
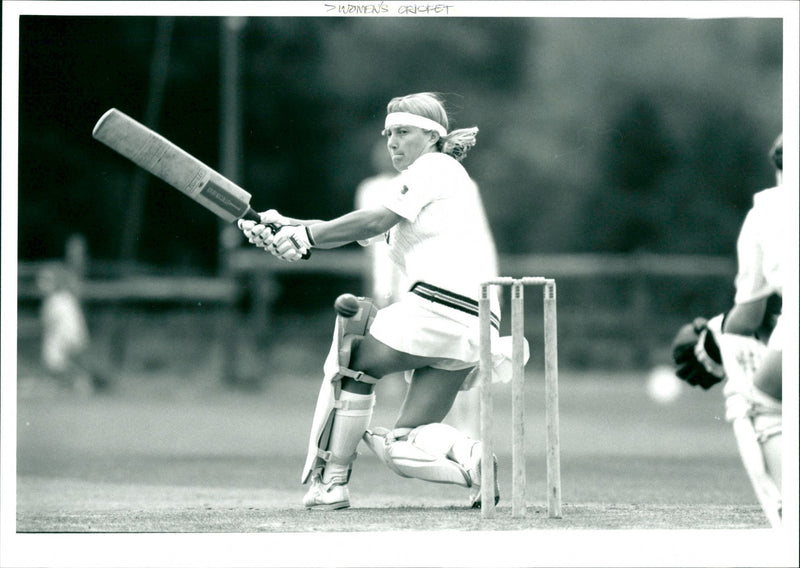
{"points": [[615, 311]]}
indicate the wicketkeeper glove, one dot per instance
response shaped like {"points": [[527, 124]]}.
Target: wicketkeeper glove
{"points": [[696, 354]]}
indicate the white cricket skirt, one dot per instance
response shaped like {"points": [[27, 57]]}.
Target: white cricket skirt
{"points": [[422, 327]]}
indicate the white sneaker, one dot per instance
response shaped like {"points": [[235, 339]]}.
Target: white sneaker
{"points": [[474, 471], [326, 496]]}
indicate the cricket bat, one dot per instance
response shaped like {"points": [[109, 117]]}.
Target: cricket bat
{"points": [[154, 153]]}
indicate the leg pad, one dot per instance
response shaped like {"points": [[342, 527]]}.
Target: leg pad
{"points": [[346, 331], [399, 451]]}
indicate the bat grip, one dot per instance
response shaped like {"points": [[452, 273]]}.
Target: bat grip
{"points": [[252, 215]]}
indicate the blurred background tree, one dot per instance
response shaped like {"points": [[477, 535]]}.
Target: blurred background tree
{"points": [[597, 135]]}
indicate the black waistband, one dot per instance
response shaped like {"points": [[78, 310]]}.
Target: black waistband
{"points": [[451, 300]]}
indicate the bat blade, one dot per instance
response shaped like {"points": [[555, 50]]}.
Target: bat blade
{"points": [[154, 153]]}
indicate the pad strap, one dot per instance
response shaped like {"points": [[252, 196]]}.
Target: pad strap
{"points": [[344, 355], [329, 457], [770, 432], [357, 376]]}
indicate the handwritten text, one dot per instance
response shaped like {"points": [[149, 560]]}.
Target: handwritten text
{"points": [[367, 9]]}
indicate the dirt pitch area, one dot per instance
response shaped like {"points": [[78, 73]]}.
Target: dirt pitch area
{"points": [[156, 459]]}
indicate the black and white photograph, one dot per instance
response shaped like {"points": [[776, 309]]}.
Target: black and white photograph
{"points": [[399, 284]]}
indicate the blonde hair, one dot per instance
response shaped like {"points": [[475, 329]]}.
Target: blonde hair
{"points": [[430, 105]]}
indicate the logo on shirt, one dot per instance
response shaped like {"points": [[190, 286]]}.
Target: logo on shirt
{"points": [[404, 190]]}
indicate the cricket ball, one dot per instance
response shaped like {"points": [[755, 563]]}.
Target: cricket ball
{"points": [[346, 305], [663, 387]]}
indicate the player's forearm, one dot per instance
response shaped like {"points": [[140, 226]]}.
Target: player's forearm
{"points": [[745, 319], [358, 225], [306, 222]]}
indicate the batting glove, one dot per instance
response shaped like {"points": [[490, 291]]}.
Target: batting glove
{"points": [[293, 242], [697, 357], [272, 217], [256, 233]]}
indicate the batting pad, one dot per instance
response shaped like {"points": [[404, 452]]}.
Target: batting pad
{"points": [[751, 451], [323, 413], [407, 458], [334, 368]]}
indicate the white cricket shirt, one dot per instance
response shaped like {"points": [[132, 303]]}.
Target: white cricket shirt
{"points": [[761, 246], [444, 238]]}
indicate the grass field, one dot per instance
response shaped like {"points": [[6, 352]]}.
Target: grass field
{"points": [[157, 458]]}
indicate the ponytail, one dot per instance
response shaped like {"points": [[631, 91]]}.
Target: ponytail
{"points": [[430, 105], [458, 142]]}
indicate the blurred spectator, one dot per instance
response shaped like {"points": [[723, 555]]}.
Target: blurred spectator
{"points": [[65, 335], [465, 414], [386, 280]]}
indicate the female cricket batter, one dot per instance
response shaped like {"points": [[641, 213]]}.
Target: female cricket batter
{"points": [[433, 222]]}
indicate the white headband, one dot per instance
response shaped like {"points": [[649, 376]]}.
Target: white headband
{"points": [[408, 119]]}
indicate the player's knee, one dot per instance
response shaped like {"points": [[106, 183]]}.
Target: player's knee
{"points": [[435, 438], [353, 325], [418, 453], [768, 377]]}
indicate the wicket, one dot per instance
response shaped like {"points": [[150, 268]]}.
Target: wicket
{"points": [[518, 397]]}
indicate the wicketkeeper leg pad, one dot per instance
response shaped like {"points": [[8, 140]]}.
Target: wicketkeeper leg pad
{"points": [[346, 331], [757, 425], [420, 453], [756, 418]]}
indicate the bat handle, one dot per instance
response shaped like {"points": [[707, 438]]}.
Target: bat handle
{"points": [[252, 215]]}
